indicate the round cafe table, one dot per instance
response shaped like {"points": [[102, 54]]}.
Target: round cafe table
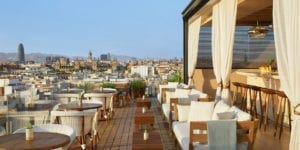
{"points": [[41, 141]]}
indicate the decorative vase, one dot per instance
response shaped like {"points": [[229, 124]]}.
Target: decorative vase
{"points": [[146, 135], [29, 134]]}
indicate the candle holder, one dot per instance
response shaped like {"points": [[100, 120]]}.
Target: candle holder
{"points": [[143, 97], [146, 135], [143, 110], [29, 132]]}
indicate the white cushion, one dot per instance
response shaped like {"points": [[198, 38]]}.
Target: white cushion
{"points": [[166, 109], [182, 86], [182, 93], [240, 115], [183, 112], [201, 111], [221, 106], [169, 95], [181, 132], [159, 97], [172, 84], [201, 94]]}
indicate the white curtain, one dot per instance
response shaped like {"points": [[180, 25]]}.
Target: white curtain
{"points": [[286, 20], [193, 42], [224, 18]]}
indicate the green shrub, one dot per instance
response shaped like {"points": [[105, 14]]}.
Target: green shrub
{"points": [[87, 87], [109, 85], [137, 84], [175, 78]]}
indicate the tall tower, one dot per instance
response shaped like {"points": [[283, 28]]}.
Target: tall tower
{"points": [[21, 55], [90, 57]]}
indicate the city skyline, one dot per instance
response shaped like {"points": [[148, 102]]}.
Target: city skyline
{"points": [[72, 28]]}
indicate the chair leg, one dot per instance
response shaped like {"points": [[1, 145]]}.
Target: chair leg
{"points": [[266, 113], [289, 113], [277, 117], [261, 109]]}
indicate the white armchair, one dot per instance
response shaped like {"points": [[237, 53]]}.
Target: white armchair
{"points": [[106, 99], [178, 93], [74, 119], [21, 118]]}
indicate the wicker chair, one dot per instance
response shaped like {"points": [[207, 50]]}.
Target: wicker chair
{"points": [[106, 99], [20, 119], [74, 119]]}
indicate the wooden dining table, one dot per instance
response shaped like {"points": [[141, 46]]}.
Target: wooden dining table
{"points": [[41, 141]]}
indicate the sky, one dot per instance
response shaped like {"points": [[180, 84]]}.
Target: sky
{"points": [[147, 28]]}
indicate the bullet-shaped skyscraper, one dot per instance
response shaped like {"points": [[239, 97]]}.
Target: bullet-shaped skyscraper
{"points": [[21, 55]]}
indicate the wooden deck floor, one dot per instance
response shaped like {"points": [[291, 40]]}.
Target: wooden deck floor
{"points": [[117, 134]]}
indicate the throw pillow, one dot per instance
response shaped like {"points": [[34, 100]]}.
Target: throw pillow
{"points": [[201, 111], [183, 112], [240, 115], [221, 106]]}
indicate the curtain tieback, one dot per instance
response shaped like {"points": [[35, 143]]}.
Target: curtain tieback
{"points": [[219, 84], [226, 86], [295, 111]]}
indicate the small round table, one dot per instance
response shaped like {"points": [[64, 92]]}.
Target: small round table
{"points": [[41, 141]]}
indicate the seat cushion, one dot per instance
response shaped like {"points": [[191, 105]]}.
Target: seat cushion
{"points": [[159, 97], [166, 109], [172, 84], [199, 93], [181, 132], [182, 93], [201, 111]]}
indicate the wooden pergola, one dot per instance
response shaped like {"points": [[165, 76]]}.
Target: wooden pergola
{"points": [[249, 12]]}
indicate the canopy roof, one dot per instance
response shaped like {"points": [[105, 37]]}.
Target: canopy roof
{"points": [[248, 12]]}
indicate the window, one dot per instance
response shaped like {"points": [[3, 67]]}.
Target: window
{"points": [[247, 52]]}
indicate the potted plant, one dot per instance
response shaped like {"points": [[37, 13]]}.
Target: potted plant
{"points": [[29, 132], [137, 87], [175, 78]]}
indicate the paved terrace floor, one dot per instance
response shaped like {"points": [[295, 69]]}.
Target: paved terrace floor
{"points": [[117, 134]]}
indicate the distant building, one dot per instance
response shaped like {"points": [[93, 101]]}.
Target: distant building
{"points": [[21, 54], [143, 71], [105, 57], [90, 57]]}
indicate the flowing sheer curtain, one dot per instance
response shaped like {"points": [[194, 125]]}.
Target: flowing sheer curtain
{"points": [[286, 20], [193, 38], [223, 28]]}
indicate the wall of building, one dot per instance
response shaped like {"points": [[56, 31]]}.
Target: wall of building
{"points": [[205, 81]]}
